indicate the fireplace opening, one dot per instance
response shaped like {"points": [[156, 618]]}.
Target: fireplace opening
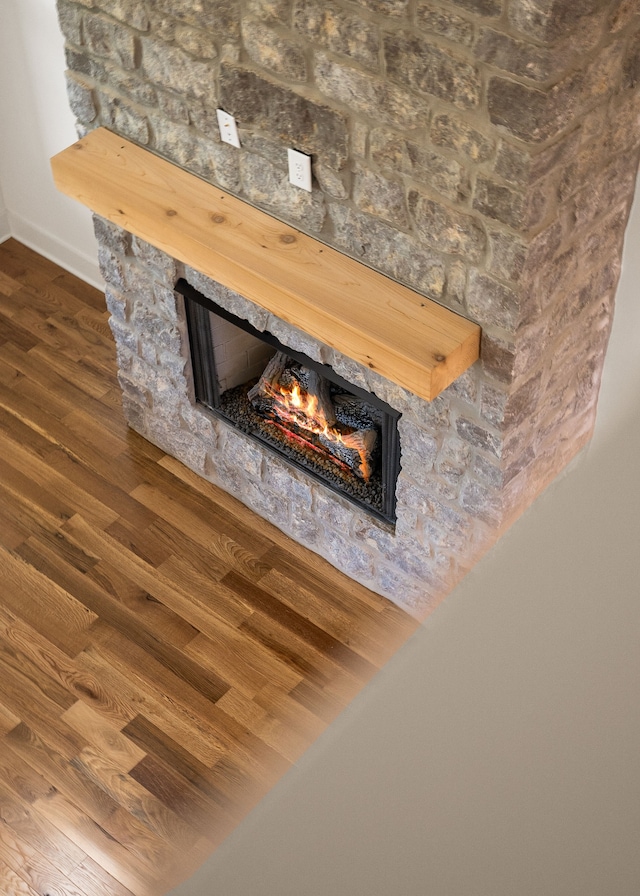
{"points": [[337, 432]]}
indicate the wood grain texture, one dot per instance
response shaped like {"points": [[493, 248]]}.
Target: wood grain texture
{"points": [[165, 655], [400, 334]]}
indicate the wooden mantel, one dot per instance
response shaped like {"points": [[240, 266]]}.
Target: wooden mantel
{"points": [[374, 320]]}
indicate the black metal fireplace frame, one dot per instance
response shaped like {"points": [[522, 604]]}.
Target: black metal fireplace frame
{"points": [[197, 308]]}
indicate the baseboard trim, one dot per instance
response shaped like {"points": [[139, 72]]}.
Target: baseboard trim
{"points": [[83, 266]]}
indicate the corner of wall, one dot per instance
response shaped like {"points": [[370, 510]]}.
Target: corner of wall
{"points": [[61, 251], [5, 229]]}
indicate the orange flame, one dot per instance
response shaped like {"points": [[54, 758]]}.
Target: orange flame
{"points": [[298, 407]]}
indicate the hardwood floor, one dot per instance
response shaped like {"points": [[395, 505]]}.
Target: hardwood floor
{"points": [[165, 655]]}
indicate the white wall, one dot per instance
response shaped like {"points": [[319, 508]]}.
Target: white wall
{"points": [[5, 229], [498, 752], [36, 124]]}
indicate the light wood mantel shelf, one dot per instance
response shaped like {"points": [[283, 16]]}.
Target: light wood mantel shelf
{"points": [[374, 320]]}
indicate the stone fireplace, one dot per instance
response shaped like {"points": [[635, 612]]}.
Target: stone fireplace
{"points": [[481, 152], [336, 432]]}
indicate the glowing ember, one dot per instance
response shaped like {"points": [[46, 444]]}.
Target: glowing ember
{"points": [[308, 445]]}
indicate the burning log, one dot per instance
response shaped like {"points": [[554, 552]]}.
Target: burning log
{"points": [[299, 399], [291, 387], [355, 449], [356, 413]]}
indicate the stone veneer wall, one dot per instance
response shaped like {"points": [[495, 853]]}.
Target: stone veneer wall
{"points": [[414, 563], [483, 152]]}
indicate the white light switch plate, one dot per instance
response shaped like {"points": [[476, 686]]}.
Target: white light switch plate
{"points": [[299, 169], [228, 129]]}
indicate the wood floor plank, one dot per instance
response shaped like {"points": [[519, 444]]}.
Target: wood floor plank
{"points": [[303, 657], [26, 266], [23, 487], [86, 426], [8, 720], [165, 655], [74, 286], [42, 750], [243, 554], [28, 825], [22, 400], [54, 664], [296, 623], [33, 868], [8, 286], [115, 619], [133, 696], [9, 376], [199, 576], [155, 615], [210, 558], [46, 300], [25, 781], [247, 774], [161, 824], [328, 614], [60, 330], [322, 703], [103, 735], [43, 327], [35, 510], [154, 741], [49, 480], [90, 878], [205, 815], [12, 534], [24, 676], [13, 883], [330, 610], [106, 851], [109, 486], [43, 604], [46, 379], [89, 792], [180, 679], [13, 332], [240, 659], [196, 609], [139, 540]]}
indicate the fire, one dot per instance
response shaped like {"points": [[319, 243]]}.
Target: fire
{"points": [[308, 404], [295, 406]]}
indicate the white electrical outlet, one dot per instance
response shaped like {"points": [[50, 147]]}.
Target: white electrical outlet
{"points": [[299, 169], [228, 129]]}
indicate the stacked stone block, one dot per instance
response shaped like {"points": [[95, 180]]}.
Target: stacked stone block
{"points": [[483, 152]]}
